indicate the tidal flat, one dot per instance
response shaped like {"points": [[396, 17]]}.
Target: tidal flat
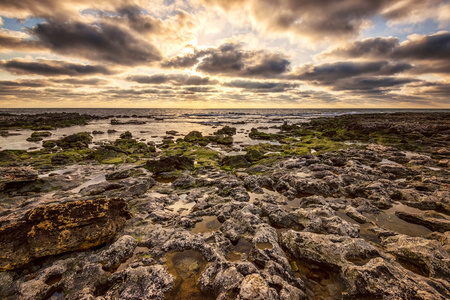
{"points": [[338, 206]]}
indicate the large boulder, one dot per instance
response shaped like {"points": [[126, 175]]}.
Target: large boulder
{"points": [[58, 228]]}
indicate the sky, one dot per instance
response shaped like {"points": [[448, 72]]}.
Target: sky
{"points": [[225, 53]]}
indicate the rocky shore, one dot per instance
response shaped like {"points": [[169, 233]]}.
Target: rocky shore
{"points": [[351, 207]]}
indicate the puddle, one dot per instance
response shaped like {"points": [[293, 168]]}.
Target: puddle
{"points": [[264, 246], [255, 196], [186, 267], [56, 172], [320, 283], [181, 207], [95, 180], [208, 224], [243, 246], [389, 221], [138, 252]]}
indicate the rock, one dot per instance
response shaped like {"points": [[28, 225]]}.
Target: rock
{"points": [[145, 282], [427, 256], [58, 228], [126, 135], [254, 287], [61, 159], [118, 174], [226, 130], [172, 132], [184, 182], [193, 136], [431, 220], [17, 174], [224, 140], [41, 134], [170, 163], [97, 189], [79, 140], [235, 161], [49, 144], [118, 252], [355, 215]]}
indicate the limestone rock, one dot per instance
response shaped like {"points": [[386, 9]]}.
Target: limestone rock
{"points": [[58, 228]]}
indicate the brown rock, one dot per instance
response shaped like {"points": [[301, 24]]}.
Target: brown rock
{"points": [[54, 229]]}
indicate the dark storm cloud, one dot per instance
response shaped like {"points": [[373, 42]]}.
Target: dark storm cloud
{"points": [[231, 60], [177, 79], [98, 42], [254, 86], [370, 84], [52, 68], [330, 72], [429, 47]]}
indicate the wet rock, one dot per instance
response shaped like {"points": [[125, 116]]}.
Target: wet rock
{"points": [[79, 140], [53, 229], [431, 220], [226, 130], [193, 136], [355, 215], [425, 257], [17, 174], [170, 163], [255, 183], [172, 132]]}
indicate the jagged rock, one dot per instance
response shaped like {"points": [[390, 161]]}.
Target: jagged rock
{"points": [[118, 174], [355, 215], [96, 189], [431, 220], [118, 252], [254, 287], [58, 228], [427, 256], [184, 182], [17, 174], [170, 163]]}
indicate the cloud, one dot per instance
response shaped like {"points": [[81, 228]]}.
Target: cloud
{"points": [[256, 86], [230, 59], [427, 47], [23, 83], [51, 68], [326, 19], [330, 72], [98, 42], [176, 79], [370, 84], [18, 41]]}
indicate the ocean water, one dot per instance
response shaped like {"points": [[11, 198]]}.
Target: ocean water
{"points": [[158, 121]]}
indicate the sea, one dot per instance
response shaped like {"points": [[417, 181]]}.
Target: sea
{"points": [[158, 121]]}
